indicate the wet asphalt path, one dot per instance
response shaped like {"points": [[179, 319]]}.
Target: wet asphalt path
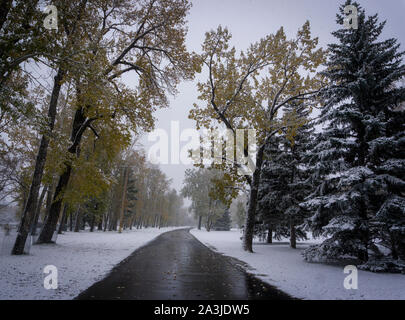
{"points": [[176, 266]]}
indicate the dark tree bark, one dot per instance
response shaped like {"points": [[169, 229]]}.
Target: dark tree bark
{"points": [[78, 220], [29, 210], [48, 202], [92, 223], [106, 220], [134, 221], [100, 225], [83, 222], [38, 211], [113, 224], [269, 235], [293, 236], [199, 222], [110, 223], [71, 222], [52, 219], [209, 223], [123, 199], [63, 219], [251, 213]]}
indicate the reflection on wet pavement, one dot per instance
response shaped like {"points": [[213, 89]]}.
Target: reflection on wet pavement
{"points": [[176, 266]]}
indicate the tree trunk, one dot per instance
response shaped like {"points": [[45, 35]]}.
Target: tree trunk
{"points": [[78, 220], [38, 211], [199, 222], [110, 222], [293, 236], [71, 221], [48, 203], [251, 213], [124, 193], [52, 219], [63, 219], [208, 224], [134, 221], [83, 223], [79, 126], [30, 207], [106, 220], [269, 235], [92, 223]]}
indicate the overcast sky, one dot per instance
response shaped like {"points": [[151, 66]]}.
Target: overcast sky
{"points": [[250, 20]]}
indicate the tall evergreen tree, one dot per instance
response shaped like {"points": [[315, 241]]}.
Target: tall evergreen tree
{"points": [[274, 180], [284, 181], [358, 172], [132, 191], [223, 223]]}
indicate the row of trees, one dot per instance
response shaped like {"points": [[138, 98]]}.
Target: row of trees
{"points": [[64, 132], [139, 196], [344, 180], [209, 205]]}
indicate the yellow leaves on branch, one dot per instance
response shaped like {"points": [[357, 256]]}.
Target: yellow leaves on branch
{"points": [[251, 89]]}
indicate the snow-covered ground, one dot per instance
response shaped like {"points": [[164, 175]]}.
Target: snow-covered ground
{"points": [[284, 268], [81, 259]]}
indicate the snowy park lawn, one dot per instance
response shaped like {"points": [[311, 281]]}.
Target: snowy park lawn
{"points": [[81, 258], [284, 268]]}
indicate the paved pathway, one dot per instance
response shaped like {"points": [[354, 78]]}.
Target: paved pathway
{"points": [[176, 266]]}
